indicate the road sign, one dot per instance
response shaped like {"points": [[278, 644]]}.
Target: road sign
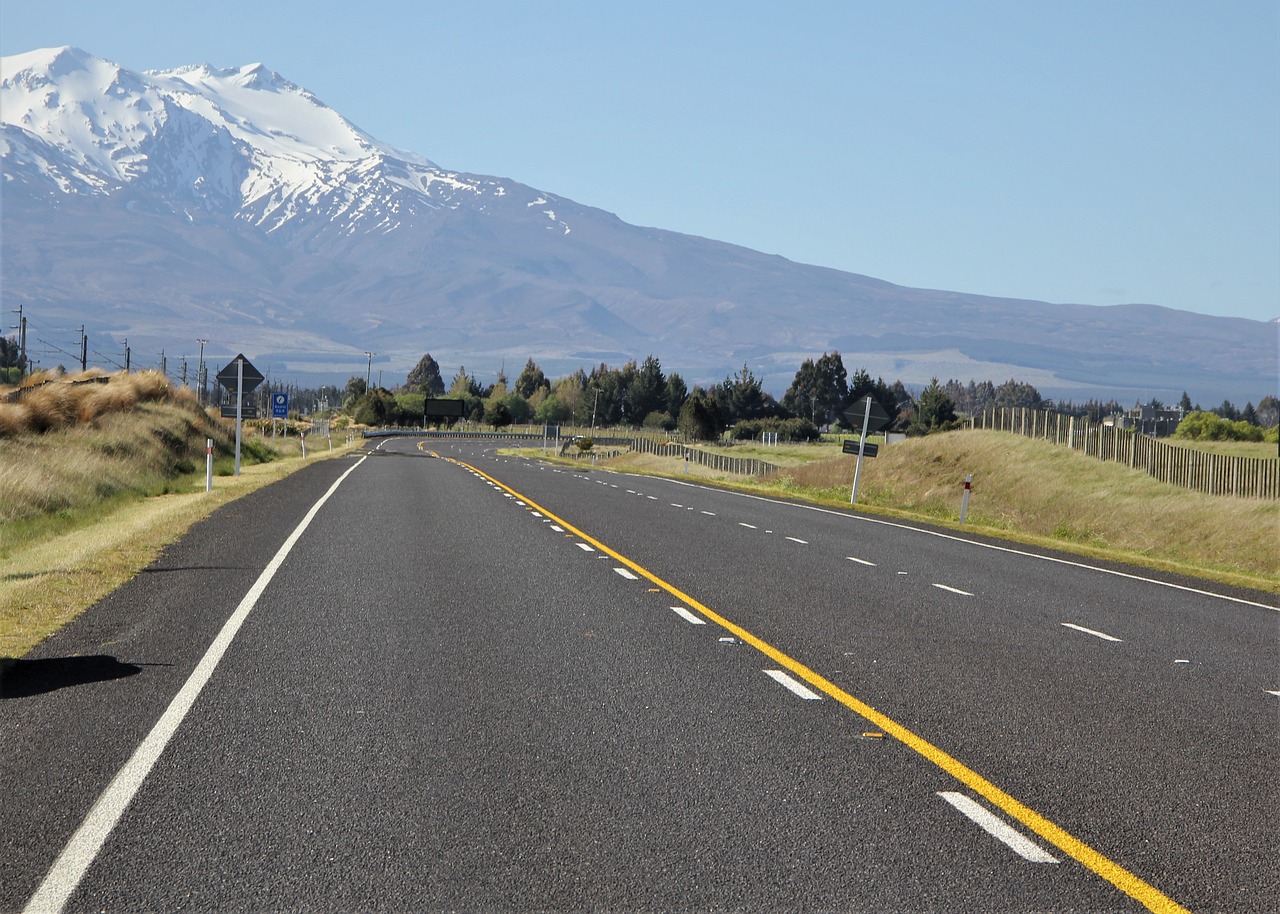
{"points": [[252, 377], [247, 410], [279, 406], [857, 413], [443, 408], [850, 446]]}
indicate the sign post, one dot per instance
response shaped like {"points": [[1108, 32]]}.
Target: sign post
{"points": [[868, 416], [244, 378]]}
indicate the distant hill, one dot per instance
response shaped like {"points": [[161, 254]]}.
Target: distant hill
{"points": [[233, 205]]}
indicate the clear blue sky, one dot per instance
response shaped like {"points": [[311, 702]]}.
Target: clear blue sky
{"points": [[1063, 150]]}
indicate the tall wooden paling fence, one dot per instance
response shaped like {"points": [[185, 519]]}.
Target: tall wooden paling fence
{"points": [[1213, 474]]}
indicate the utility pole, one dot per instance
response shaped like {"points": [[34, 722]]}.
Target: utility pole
{"points": [[126, 355], [200, 373], [368, 371], [184, 371], [84, 350], [164, 364], [22, 343]]}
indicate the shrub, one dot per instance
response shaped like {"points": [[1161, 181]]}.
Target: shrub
{"points": [[787, 429], [660, 419], [1203, 426]]}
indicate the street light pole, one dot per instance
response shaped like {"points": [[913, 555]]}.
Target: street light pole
{"points": [[368, 371]]}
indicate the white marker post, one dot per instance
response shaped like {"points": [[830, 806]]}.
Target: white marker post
{"points": [[208, 464], [964, 501], [862, 446]]}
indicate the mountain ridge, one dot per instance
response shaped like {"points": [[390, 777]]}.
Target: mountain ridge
{"points": [[237, 198]]}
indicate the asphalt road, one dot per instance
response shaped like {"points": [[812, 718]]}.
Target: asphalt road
{"points": [[466, 682]]}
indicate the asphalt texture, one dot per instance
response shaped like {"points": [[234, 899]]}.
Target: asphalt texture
{"points": [[443, 702]]}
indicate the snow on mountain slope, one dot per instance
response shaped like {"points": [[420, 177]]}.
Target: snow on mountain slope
{"points": [[144, 205], [243, 141]]}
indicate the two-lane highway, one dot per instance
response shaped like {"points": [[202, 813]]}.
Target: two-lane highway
{"points": [[481, 683]]}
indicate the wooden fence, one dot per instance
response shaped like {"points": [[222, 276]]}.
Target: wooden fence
{"points": [[1213, 474], [656, 444], [743, 466]]}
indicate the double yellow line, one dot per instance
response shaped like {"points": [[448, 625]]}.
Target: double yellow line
{"points": [[1153, 899]]}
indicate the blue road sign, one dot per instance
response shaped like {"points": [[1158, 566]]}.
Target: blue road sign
{"points": [[279, 406]]}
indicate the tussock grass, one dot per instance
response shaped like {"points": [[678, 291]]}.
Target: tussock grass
{"points": [[48, 401], [143, 451], [95, 479]]}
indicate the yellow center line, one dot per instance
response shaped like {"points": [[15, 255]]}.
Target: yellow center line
{"points": [[1149, 896]]}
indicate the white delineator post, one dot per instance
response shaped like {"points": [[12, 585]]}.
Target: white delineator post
{"points": [[208, 464], [964, 501]]}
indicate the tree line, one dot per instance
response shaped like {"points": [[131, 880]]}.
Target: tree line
{"points": [[641, 394]]}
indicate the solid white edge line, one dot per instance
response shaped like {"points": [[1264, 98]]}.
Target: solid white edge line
{"points": [[1088, 631], [960, 539], [83, 847], [688, 616], [783, 679], [1021, 845]]}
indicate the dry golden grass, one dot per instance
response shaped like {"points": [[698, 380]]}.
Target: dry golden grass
{"points": [[95, 479], [144, 450], [1034, 492], [1050, 494], [47, 401], [48, 581]]}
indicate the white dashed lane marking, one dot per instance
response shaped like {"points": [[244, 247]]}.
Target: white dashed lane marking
{"points": [[688, 616], [963, 593], [1088, 631], [999, 829], [795, 687]]}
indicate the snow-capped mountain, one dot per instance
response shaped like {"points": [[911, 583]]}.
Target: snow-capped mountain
{"points": [[234, 206], [244, 142]]}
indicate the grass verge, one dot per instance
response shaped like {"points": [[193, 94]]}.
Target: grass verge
{"points": [[1030, 492], [85, 506]]}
